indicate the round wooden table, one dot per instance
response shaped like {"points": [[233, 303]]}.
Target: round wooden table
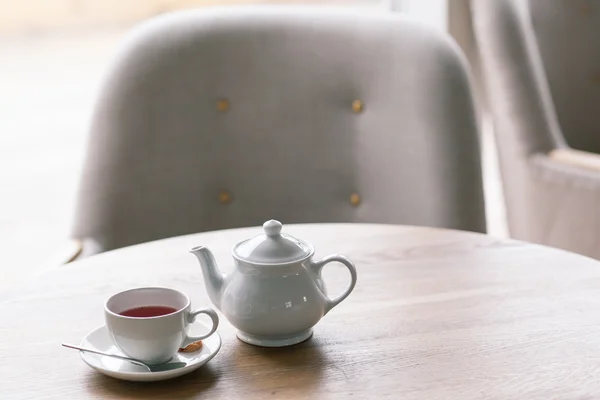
{"points": [[436, 314]]}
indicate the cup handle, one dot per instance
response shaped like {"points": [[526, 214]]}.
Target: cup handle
{"points": [[318, 266], [191, 317]]}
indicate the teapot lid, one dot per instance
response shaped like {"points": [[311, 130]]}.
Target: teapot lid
{"points": [[272, 247]]}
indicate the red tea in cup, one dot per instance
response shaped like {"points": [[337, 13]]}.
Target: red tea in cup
{"points": [[148, 311]]}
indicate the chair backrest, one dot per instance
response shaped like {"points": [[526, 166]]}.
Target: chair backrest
{"points": [[568, 37], [538, 59], [525, 122], [228, 117]]}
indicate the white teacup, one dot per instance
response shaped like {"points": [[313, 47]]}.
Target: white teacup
{"points": [[148, 336]]}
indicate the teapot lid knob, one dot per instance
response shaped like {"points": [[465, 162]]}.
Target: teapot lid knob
{"points": [[272, 228], [272, 247]]}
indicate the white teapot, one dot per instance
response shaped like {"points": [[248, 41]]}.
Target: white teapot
{"points": [[276, 294]]}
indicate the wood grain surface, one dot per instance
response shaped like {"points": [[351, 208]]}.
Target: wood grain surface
{"points": [[436, 314]]}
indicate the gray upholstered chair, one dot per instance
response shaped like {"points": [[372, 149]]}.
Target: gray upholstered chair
{"points": [[541, 67], [221, 118]]}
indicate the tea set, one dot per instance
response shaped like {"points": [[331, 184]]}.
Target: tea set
{"points": [[274, 297]]}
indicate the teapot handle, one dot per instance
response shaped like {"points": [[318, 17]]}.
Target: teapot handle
{"points": [[318, 266]]}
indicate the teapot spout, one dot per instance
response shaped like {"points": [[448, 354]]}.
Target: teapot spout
{"points": [[213, 278]]}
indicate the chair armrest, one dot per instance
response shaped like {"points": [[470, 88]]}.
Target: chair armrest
{"points": [[576, 158], [563, 190], [563, 169], [67, 252]]}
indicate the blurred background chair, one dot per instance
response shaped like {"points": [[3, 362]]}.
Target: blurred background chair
{"points": [[225, 118], [541, 69]]}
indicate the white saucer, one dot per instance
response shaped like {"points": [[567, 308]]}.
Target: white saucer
{"points": [[100, 339]]}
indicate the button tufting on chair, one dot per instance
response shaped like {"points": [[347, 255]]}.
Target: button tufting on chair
{"points": [[357, 106], [225, 197], [285, 153], [223, 105]]}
